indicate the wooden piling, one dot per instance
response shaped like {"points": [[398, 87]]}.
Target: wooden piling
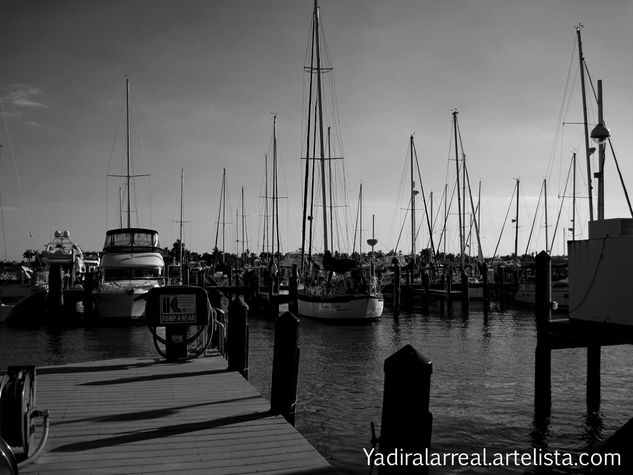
{"points": [[465, 297], [396, 289], [543, 356], [486, 290], [55, 297], [237, 337], [292, 291], [406, 420], [283, 392], [593, 378]]}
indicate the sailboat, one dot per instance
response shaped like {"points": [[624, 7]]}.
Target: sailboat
{"points": [[132, 262], [337, 287]]}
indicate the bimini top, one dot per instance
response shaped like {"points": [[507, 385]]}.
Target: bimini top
{"points": [[131, 239]]}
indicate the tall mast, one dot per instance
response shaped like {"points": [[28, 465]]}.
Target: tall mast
{"points": [[360, 228], [413, 192], [573, 201], [546, 225], [223, 210], [307, 157], [459, 201], [243, 223], [127, 144], [275, 234], [601, 156], [516, 231], [181, 187], [588, 150], [265, 233], [321, 138], [329, 162]]}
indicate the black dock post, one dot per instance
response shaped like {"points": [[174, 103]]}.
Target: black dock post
{"points": [[406, 421], [543, 357], [283, 392], [396, 289], [465, 293], [292, 291], [237, 337], [593, 378], [486, 290], [55, 297], [449, 283]]}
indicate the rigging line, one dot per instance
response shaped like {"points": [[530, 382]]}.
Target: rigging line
{"points": [[540, 195], [626, 193], [562, 200], [448, 212], [504, 224], [572, 70], [116, 134], [474, 215], [428, 221], [17, 174], [403, 223]]}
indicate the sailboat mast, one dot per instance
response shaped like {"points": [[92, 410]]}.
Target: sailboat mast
{"points": [[360, 229], [516, 231], [459, 200], [243, 223], [264, 234], [275, 234], [321, 138], [127, 144], [573, 200], [412, 201], [546, 225], [180, 222], [329, 162], [588, 150]]}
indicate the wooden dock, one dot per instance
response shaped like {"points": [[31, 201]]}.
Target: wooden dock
{"points": [[125, 416]]}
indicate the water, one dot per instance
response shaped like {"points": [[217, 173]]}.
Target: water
{"points": [[481, 391]]}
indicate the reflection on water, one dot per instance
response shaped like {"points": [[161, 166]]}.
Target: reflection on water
{"points": [[482, 384], [482, 388]]}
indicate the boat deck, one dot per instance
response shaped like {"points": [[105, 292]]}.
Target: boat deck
{"points": [[147, 416]]}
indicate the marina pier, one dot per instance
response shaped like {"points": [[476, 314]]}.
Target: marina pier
{"points": [[148, 416]]}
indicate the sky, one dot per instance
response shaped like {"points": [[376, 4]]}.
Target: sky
{"points": [[206, 77]]}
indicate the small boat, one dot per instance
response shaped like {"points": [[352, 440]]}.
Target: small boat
{"points": [[132, 263], [526, 294], [62, 250], [20, 290]]}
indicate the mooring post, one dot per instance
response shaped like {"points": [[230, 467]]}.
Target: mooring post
{"points": [[486, 290], [465, 292], [237, 337], [396, 288], [449, 283], [543, 357], [292, 290], [593, 377], [283, 391], [406, 421], [55, 297]]}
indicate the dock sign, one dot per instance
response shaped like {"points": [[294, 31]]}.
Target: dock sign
{"points": [[177, 308]]}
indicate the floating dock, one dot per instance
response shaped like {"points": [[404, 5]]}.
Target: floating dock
{"points": [[150, 416]]}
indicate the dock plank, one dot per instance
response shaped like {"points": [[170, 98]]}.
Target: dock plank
{"points": [[148, 416]]}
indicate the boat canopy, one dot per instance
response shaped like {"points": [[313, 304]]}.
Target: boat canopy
{"points": [[131, 239]]}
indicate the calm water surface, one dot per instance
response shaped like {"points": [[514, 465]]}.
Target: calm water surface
{"points": [[481, 391]]}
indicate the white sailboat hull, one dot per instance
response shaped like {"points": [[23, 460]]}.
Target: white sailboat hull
{"points": [[341, 307]]}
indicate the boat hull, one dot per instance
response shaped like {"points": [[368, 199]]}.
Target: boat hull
{"points": [[120, 303], [341, 307]]}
